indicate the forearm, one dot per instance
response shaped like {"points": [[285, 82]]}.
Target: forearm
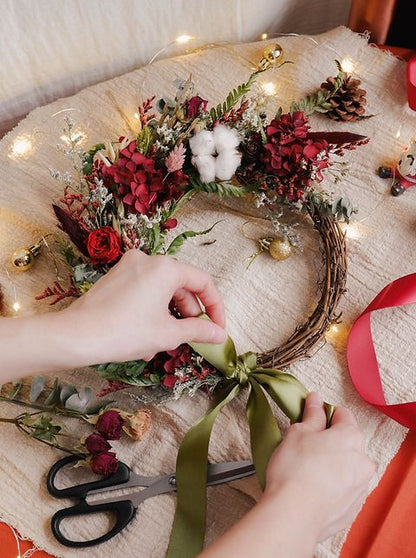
{"points": [[37, 344], [277, 527]]}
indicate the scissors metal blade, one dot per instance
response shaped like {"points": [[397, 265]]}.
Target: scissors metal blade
{"points": [[219, 473]]}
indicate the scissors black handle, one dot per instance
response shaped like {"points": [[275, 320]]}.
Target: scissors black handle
{"points": [[121, 476], [124, 512]]}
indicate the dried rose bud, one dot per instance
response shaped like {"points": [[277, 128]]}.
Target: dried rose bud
{"points": [[110, 425], [137, 424], [105, 463], [96, 443]]}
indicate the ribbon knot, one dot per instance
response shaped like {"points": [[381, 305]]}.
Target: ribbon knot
{"points": [[245, 365]]}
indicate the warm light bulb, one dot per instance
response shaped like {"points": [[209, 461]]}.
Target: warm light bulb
{"points": [[75, 137], [21, 146], [334, 328], [352, 230], [398, 133], [183, 39], [137, 115], [16, 306], [264, 36], [269, 88], [347, 65]]}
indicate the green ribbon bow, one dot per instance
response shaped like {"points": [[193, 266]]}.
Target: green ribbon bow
{"points": [[241, 372]]}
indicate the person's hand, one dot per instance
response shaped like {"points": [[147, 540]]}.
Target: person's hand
{"points": [[125, 315], [325, 470]]}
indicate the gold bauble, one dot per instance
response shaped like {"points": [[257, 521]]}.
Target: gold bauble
{"points": [[23, 259], [280, 249], [273, 53]]}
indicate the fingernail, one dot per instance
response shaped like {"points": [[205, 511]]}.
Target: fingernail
{"points": [[315, 400], [219, 335]]}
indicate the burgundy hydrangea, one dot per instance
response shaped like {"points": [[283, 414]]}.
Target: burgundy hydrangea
{"points": [[96, 443], [139, 183], [195, 106], [105, 463], [292, 159], [110, 425]]}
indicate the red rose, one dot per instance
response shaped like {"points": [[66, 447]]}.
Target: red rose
{"points": [[195, 106], [104, 245], [110, 425], [105, 463], [95, 443]]}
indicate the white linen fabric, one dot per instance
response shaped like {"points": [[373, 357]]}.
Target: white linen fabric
{"points": [[54, 48], [264, 303]]}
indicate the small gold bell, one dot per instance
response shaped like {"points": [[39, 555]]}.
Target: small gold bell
{"points": [[271, 55], [280, 249], [24, 258]]}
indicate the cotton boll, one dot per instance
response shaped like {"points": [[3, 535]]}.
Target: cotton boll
{"points": [[225, 138], [226, 164], [202, 143], [206, 167]]}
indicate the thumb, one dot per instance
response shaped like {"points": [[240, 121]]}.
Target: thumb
{"points": [[199, 330], [314, 416]]}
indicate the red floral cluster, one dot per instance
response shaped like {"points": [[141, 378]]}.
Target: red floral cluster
{"points": [[292, 159], [179, 358], [141, 186], [109, 427]]}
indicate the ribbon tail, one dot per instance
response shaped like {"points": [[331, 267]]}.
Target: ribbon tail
{"points": [[187, 537], [288, 393], [264, 433]]}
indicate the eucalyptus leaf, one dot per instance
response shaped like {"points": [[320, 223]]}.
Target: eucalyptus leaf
{"points": [[36, 388], [53, 397], [79, 401], [17, 386], [66, 392]]}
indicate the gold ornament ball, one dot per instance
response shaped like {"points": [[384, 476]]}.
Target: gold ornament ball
{"points": [[23, 259], [280, 249], [273, 53]]}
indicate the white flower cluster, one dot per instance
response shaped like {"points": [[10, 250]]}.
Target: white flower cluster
{"points": [[215, 153]]}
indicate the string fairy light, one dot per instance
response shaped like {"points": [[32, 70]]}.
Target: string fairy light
{"points": [[347, 65], [21, 146], [269, 88], [264, 36]]}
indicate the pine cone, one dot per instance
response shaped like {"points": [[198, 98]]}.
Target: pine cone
{"points": [[348, 103]]}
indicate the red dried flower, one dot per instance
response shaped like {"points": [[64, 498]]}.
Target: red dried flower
{"points": [[110, 425], [96, 443], [105, 463], [104, 245], [291, 157], [139, 183], [179, 357], [195, 106]]}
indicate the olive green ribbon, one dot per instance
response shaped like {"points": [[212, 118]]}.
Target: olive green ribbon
{"points": [[241, 372]]}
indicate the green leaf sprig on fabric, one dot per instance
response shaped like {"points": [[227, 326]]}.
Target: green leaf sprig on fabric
{"points": [[49, 401]]}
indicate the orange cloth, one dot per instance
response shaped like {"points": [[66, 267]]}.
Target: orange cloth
{"points": [[384, 528]]}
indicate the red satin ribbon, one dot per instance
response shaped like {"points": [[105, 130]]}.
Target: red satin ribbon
{"points": [[362, 360]]}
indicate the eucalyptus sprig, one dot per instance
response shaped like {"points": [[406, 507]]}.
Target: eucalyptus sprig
{"points": [[49, 401]]}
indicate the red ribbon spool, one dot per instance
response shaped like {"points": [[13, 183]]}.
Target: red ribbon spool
{"points": [[361, 355]]}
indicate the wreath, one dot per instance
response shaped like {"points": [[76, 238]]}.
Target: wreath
{"points": [[126, 194]]}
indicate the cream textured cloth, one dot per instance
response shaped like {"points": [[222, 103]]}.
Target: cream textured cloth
{"points": [[264, 303], [54, 48]]}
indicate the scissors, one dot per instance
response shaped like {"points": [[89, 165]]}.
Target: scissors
{"points": [[124, 507]]}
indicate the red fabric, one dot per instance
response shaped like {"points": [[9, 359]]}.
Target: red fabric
{"points": [[361, 356]]}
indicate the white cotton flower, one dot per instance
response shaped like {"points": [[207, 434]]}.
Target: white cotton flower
{"points": [[202, 143], [206, 167], [227, 163], [225, 138]]}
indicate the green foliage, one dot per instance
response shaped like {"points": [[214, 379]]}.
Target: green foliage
{"points": [[341, 208], [145, 140], [223, 188], [88, 158], [318, 101], [232, 98], [131, 373], [41, 427], [177, 242], [67, 250]]}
